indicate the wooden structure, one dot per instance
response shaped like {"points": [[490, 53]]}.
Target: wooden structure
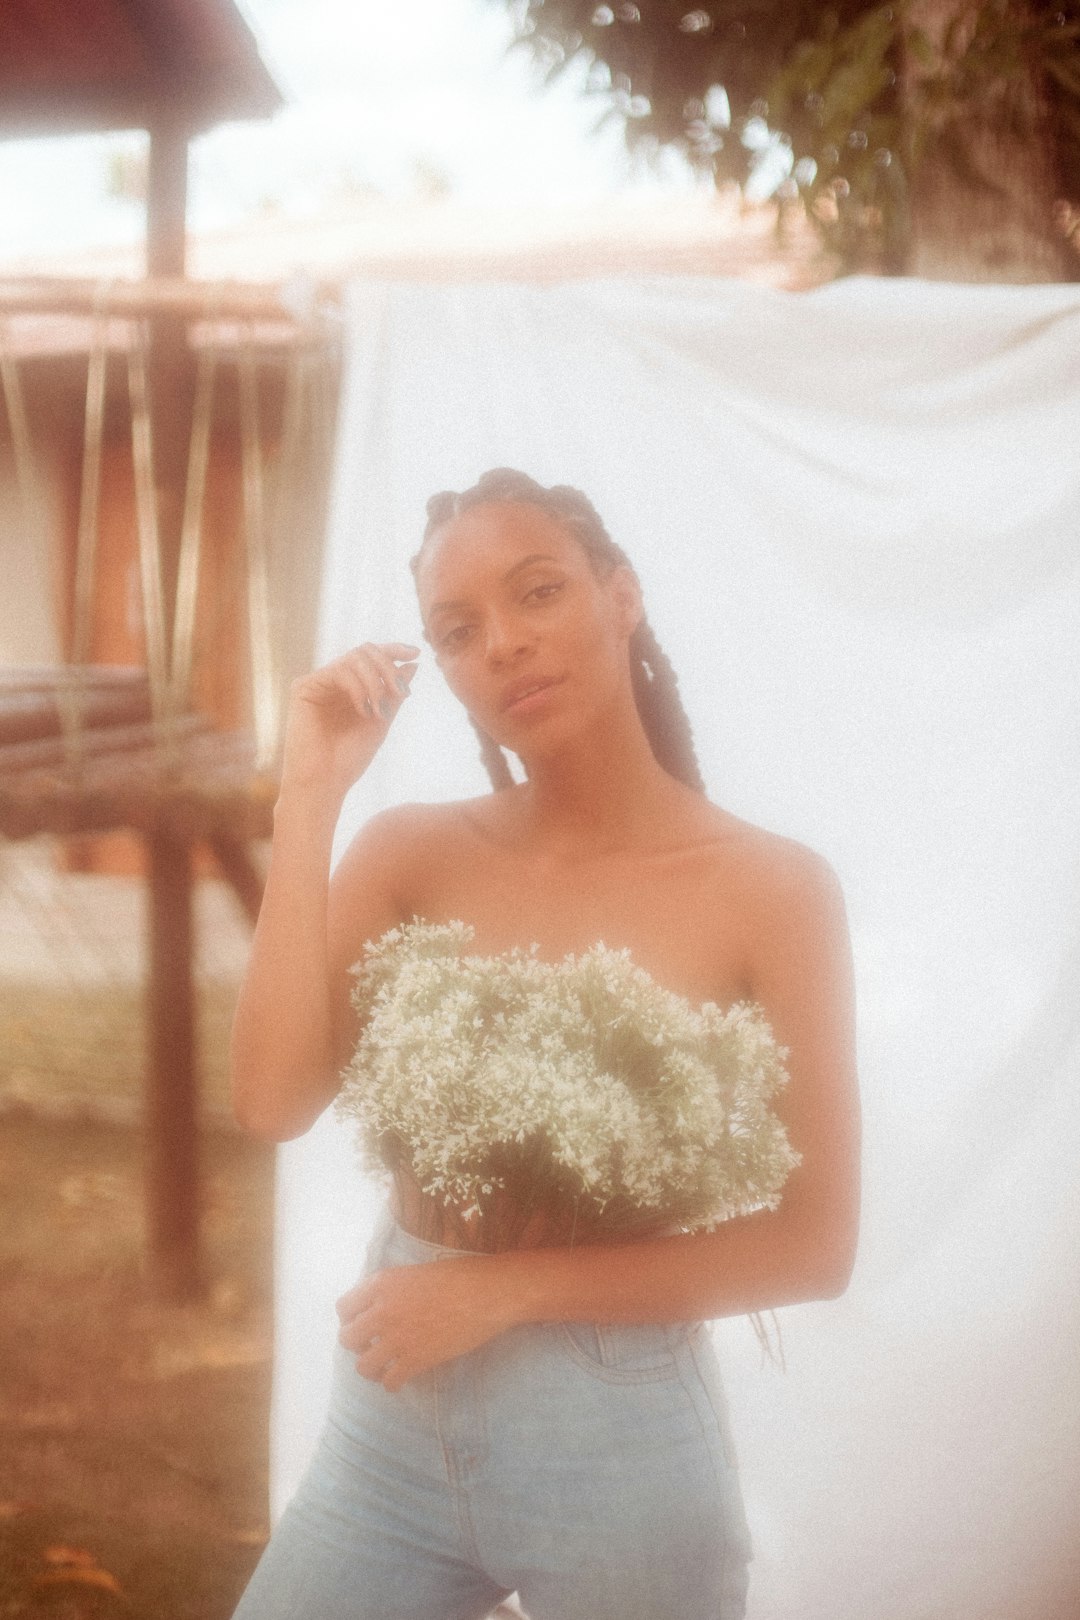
{"points": [[79, 753], [114, 741], [84, 749], [171, 67], [243, 493]]}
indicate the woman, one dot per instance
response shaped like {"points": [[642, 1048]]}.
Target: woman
{"points": [[547, 1418]]}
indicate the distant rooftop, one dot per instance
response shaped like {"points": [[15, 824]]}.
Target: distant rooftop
{"points": [[701, 233]]}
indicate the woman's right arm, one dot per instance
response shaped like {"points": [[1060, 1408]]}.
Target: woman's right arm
{"points": [[285, 1053]]}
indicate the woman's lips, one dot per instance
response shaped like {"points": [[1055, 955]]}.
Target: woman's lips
{"points": [[528, 695]]}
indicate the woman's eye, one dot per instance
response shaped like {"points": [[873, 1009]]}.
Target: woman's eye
{"points": [[540, 593], [457, 636]]}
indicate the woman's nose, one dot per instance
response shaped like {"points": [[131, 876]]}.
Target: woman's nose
{"points": [[505, 637]]}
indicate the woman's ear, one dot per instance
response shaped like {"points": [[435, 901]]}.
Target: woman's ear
{"points": [[625, 591]]}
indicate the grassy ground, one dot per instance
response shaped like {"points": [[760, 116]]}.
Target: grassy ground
{"points": [[132, 1434], [70, 1048]]}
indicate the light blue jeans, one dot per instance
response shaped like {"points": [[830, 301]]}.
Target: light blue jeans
{"points": [[588, 1467]]}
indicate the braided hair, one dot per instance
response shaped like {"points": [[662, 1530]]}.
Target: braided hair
{"points": [[655, 687]]}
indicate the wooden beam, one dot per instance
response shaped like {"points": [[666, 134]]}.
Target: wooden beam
{"points": [[223, 301], [80, 759], [182, 780], [46, 710]]}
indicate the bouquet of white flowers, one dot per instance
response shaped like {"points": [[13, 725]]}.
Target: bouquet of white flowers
{"points": [[510, 1084]]}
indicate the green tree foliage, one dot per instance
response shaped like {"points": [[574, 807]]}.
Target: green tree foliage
{"points": [[854, 94]]}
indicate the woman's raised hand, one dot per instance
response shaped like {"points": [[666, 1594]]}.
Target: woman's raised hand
{"points": [[339, 715]]}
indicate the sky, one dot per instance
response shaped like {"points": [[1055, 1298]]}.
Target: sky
{"points": [[392, 97]]}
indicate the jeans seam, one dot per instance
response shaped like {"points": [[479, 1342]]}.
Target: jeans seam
{"points": [[457, 1485], [717, 1417], [611, 1374], [467, 1528]]}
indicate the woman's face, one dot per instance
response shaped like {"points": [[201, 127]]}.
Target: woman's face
{"points": [[530, 640]]}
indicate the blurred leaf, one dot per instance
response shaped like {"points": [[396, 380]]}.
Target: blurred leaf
{"points": [[70, 1555], [77, 1576], [956, 35], [825, 74], [1066, 75], [921, 48]]}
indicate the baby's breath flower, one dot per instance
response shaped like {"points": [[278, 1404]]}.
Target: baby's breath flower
{"points": [[581, 1081]]}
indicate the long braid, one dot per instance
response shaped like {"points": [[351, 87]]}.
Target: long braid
{"points": [[493, 758], [660, 705], [655, 686]]}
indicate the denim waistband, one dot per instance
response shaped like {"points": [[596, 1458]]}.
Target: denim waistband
{"points": [[390, 1235]]}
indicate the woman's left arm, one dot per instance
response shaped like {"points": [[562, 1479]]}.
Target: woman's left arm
{"points": [[800, 971]]}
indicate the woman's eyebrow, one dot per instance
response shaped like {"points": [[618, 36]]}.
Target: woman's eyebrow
{"points": [[527, 562], [519, 567]]}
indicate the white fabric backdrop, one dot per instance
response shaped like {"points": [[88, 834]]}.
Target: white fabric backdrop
{"points": [[856, 514]]}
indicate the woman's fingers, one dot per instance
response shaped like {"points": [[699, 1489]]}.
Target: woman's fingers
{"points": [[370, 679], [352, 1301], [372, 1354], [403, 651], [358, 1326], [391, 687], [389, 665], [361, 1321], [382, 1367], [339, 715], [358, 690]]}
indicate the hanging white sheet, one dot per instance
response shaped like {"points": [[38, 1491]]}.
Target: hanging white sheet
{"points": [[856, 515]]}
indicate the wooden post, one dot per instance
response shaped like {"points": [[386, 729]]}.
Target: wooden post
{"points": [[172, 1192], [166, 200], [172, 1181]]}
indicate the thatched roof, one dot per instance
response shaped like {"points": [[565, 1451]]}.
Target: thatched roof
{"points": [[72, 65]]}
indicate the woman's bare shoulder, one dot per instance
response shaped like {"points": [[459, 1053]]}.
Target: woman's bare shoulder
{"points": [[404, 840], [790, 919], [388, 869], [769, 868], [415, 826]]}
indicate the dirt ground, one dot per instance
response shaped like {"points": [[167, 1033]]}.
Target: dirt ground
{"points": [[133, 1434]]}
